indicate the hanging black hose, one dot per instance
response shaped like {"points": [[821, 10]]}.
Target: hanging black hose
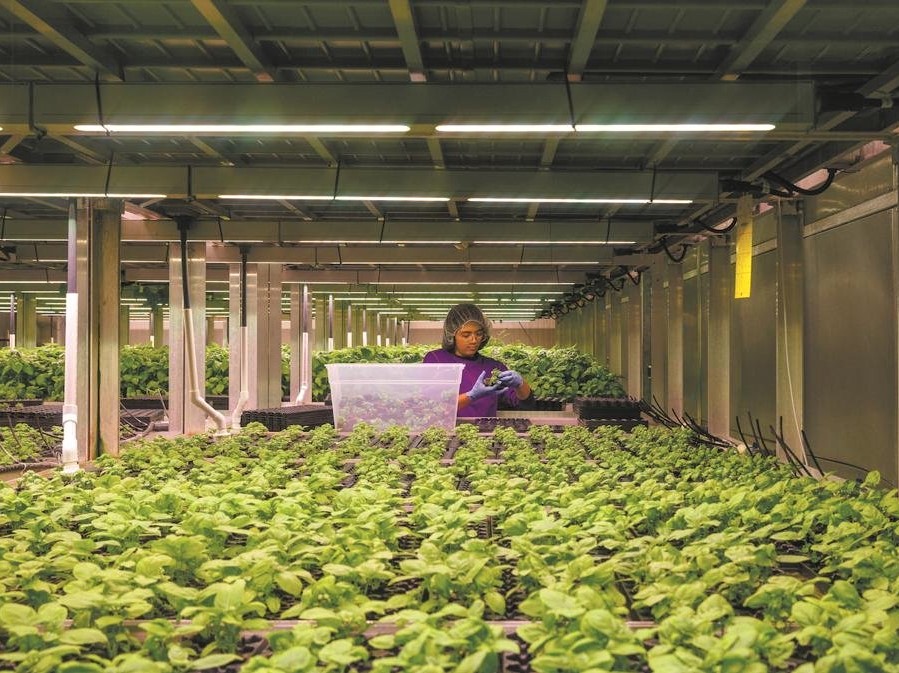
{"points": [[796, 189], [684, 249], [183, 226], [243, 286], [808, 449], [723, 230]]}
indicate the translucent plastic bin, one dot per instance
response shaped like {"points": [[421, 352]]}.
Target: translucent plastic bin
{"points": [[417, 396]]}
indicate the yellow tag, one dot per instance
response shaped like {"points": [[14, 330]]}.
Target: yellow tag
{"points": [[743, 278]]}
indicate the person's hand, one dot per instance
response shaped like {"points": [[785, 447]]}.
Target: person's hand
{"points": [[479, 390], [510, 379]]}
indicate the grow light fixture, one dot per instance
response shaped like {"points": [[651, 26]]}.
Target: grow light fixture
{"points": [[252, 129], [504, 128], [88, 195], [672, 128], [537, 199], [308, 197], [535, 242]]}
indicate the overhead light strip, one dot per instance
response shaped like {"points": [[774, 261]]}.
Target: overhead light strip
{"points": [[311, 197], [672, 128], [89, 195], [504, 128], [312, 129], [530, 199]]}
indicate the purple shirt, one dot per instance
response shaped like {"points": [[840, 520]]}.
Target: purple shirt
{"points": [[486, 406]]}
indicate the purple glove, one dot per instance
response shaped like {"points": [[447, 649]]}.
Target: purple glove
{"points": [[479, 390], [510, 379]]}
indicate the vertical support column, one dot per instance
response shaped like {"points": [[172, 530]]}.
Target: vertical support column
{"points": [[210, 330], [633, 332], [124, 325], [184, 416], [790, 322], [234, 336], [894, 229], [300, 345], [26, 321], [97, 233], [364, 326], [616, 363], [321, 324], [675, 338], [720, 297], [379, 330], [658, 339], [157, 337], [264, 326]]}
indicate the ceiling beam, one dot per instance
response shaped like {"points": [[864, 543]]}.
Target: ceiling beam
{"points": [[226, 23], [57, 108], [214, 182], [322, 150], [588, 24], [763, 30], [87, 154], [210, 151], [296, 210], [550, 147], [63, 36], [403, 19], [353, 232]]}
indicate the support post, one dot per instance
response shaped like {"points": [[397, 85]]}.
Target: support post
{"points": [[790, 323], [124, 325], [720, 297], [675, 337], [633, 332], [186, 418]]}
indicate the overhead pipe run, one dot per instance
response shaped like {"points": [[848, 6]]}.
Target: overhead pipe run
{"points": [[195, 396]]}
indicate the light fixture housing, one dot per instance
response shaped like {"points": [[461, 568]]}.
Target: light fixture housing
{"points": [[243, 129]]}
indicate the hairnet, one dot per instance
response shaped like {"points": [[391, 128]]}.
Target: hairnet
{"points": [[459, 315]]}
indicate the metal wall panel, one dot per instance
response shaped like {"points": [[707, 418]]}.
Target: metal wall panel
{"points": [[692, 347], [754, 347], [850, 346], [850, 189]]}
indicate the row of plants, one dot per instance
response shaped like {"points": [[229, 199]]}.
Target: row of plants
{"points": [[404, 551], [22, 443], [144, 370]]}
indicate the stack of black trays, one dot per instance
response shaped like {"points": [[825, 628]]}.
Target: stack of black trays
{"points": [[281, 418], [218, 402], [46, 416], [623, 412]]}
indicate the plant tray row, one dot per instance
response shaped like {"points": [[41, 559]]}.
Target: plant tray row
{"points": [[46, 416], [606, 407], [281, 418], [219, 402], [626, 424], [20, 403]]}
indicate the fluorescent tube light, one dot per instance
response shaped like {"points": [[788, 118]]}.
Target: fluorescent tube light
{"points": [[392, 198], [505, 199], [554, 242], [650, 128], [277, 197], [67, 195], [504, 128], [311, 129]]}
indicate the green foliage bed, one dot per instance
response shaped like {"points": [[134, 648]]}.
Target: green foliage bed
{"points": [[604, 551], [552, 372]]}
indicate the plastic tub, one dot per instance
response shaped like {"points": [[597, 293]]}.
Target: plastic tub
{"points": [[417, 396]]}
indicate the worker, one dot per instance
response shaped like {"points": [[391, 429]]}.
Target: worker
{"points": [[465, 332]]}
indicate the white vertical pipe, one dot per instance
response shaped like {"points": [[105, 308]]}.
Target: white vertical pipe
{"points": [[330, 322], [70, 405], [349, 325], [364, 327]]}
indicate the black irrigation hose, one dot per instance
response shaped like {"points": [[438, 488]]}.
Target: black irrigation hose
{"points": [[724, 230], [743, 437], [787, 450], [786, 184], [685, 247], [808, 449]]}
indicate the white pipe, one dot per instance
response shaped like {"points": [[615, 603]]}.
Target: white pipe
{"points": [[70, 407], [304, 370], [220, 421], [244, 396]]}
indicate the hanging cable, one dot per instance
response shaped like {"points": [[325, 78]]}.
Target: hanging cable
{"points": [[723, 230], [677, 260], [786, 184], [100, 121]]}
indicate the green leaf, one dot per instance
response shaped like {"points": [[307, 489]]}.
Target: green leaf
{"points": [[80, 667], [495, 602], [289, 583], [212, 661], [13, 614], [295, 659], [560, 604], [341, 652], [83, 637], [472, 663]]}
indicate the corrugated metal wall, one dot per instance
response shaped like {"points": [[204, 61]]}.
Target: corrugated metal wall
{"points": [[850, 345], [840, 253]]}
